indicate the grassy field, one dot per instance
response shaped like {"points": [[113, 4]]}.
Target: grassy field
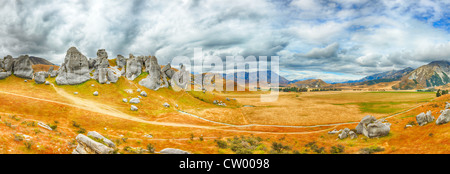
{"points": [[27, 103]]}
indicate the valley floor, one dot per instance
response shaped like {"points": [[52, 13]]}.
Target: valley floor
{"points": [[298, 121]]}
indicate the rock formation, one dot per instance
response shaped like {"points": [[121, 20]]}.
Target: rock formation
{"points": [[423, 119], [23, 67], [344, 133], [173, 151], [444, 117], [135, 101], [102, 138], [371, 127], [153, 80], [181, 78], [87, 145], [133, 108], [102, 59], [74, 70], [39, 77], [133, 68], [121, 61]]}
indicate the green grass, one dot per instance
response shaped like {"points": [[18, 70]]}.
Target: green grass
{"points": [[380, 107]]}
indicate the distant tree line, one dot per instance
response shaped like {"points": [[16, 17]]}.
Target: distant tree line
{"points": [[294, 89], [325, 89], [439, 92]]}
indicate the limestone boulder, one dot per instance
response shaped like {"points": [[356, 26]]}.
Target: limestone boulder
{"points": [[23, 67], [8, 63], [102, 59], [121, 61], [423, 118], [173, 151], [133, 68], [102, 138], [4, 75], [133, 108], [87, 145], [74, 70], [135, 101], [153, 80], [366, 120], [376, 129], [168, 71], [444, 117], [39, 77], [344, 133], [181, 78]]}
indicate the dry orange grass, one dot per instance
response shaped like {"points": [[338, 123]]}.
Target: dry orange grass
{"points": [[40, 67]]}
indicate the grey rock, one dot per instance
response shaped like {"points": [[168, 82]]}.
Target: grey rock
{"points": [[134, 108], [366, 120], [121, 61], [47, 83], [96, 93], [23, 67], [166, 105], [352, 135], [75, 93], [168, 71], [408, 125], [102, 73], [144, 94], [153, 80], [133, 68], [8, 63], [173, 151], [4, 75], [181, 78], [25, 81], [135, 101], [39, 77], [138, 90], [74, 70], [125, 100], [423, 118], [100, 137], [333, 132], [102, 59], [376, 129], [444, 117], [112, 76], [447, 105], [344, 133], [88, 146]]}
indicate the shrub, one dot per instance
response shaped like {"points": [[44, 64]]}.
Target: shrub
{"points": [[244, 145], [371, 150], [75, 124], [150, 148], [28, 144], [337, 149], [81, 130], [315, 148], [200, 138], [53, 126], [18, 137], [412, 123], [278, 148], [221, 144]]}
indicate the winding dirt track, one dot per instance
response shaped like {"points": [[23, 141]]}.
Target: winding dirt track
{"points": [[107, 110]]}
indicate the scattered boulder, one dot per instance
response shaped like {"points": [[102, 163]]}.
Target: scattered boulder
{"points": [[47, 83], [100, 137], [173, 151], [134, 108], [125, 100], [74, 70], [75, 93], [135, 101], [88, 146], [344, 133], [423, 118], [96, 93], [39, 77], [23, 67], [138, 90], [25, 81], [333, 132], [408, 125], [352, 135], [3, 75], [444, 117], [144, 94], [166, 105], [168, 71], [447, 105]]}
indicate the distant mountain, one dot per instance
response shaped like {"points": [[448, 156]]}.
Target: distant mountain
{"points": [[310, 83], [38, 60], [387, 76], [281, 80], [433, 74]]}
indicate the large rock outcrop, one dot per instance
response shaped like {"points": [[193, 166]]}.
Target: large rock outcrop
{"points": [[8, 63], [153, 80], [102, 138], [87, 145], [444, 117], [423, 119], [371, 127], [121, 61], [23, 67], [133, 68], [74, 70], [102, 59], [181, 78], [173, 151]]}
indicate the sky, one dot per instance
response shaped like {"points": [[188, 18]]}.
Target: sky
{"points": [[334, 40]]}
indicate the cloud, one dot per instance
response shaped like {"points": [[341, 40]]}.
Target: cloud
{"points": [[346, 37]]}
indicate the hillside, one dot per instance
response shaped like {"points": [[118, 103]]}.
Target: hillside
{"points": [[430, 75], [38, 60], [310, 83], [387, 76]]}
